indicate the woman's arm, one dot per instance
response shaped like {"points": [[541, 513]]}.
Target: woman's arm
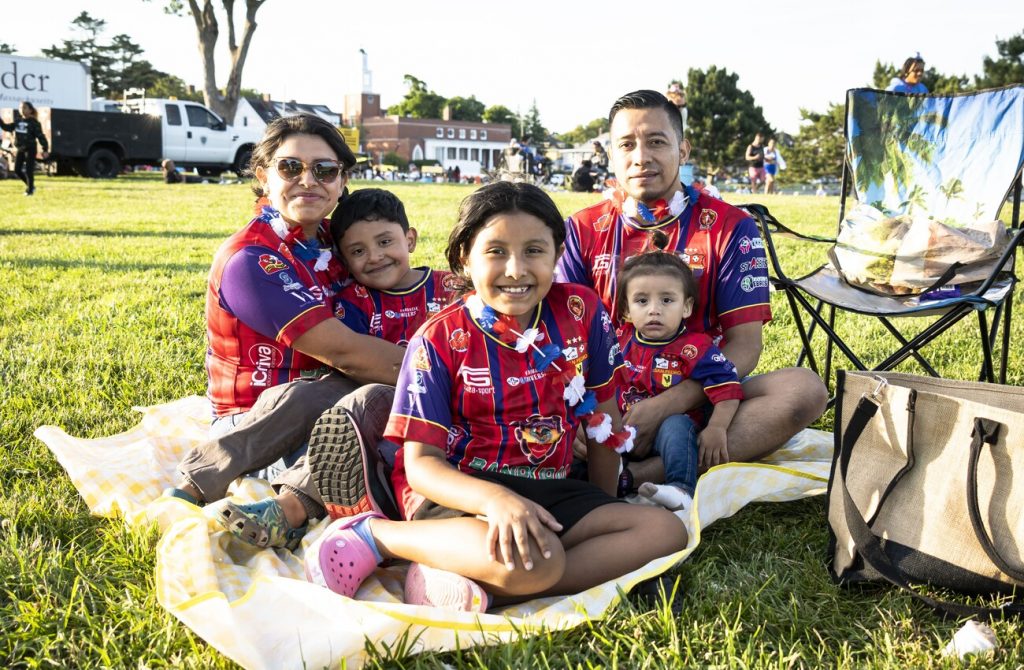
{"points": [[361, 357]]}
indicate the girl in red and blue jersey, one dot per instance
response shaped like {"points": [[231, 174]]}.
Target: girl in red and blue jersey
{"points": [[491, 392]]}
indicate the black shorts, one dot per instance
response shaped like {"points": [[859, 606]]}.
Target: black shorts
{"points": [[568, 500]]}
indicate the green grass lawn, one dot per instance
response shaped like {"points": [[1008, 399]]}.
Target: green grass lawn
{"points": [[102, 309]]}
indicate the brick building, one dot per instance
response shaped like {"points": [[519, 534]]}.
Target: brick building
{"points": [[471, 145]]}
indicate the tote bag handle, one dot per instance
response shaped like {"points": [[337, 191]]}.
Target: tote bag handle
{"points": [[870, 548], [986, 431]]}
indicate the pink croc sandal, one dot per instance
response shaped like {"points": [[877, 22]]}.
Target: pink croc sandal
{"points": [[439, 588], [339, 559]]}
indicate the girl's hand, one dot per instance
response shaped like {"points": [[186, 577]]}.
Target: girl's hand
{"points": [[511, 517], [713, 447]]}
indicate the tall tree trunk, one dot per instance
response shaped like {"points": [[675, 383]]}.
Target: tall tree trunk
{"points": [[225, 102]]}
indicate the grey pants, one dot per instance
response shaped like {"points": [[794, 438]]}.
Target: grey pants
{"points": [[278, 424]]}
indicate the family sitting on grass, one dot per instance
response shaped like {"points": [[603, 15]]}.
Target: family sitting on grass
{"points": [[485, 424]]}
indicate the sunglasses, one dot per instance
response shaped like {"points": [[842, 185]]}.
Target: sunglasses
{"points": [[324, 171]]}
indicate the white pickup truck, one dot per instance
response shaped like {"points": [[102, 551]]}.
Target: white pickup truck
{"points": [[96, 138], [98, 144]]}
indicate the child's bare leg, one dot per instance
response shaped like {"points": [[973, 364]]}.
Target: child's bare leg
{"points": [[613, 540], [458, 545]]}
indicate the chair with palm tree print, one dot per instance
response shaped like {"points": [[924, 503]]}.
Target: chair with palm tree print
{"points": [[916, 163]]}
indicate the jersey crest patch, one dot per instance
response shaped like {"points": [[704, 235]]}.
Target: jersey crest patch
{"points": [[707, 218], [420, 359], [538, 435], [271, 263], [459, 340], [576, 307]]}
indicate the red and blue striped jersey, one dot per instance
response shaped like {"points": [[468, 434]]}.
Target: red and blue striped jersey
{"points": [[397, 314], [653, 366], [260, 298], [720, 243], [486, 405]]}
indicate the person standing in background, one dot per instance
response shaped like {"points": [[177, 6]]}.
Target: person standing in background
{"points": [[26, 132], [909, 78], [755, 162]]}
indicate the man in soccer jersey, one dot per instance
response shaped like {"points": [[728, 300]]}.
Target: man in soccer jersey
{"points": [[723, 248]]}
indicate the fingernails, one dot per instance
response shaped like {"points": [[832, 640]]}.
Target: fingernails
{"points": [[510, 566], [528, 565], [547, 554]]}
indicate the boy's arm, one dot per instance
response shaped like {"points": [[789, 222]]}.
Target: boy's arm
{"points": [[714, 446], [361, 357]]}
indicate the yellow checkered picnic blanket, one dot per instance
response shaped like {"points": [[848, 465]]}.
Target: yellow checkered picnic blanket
{"points": [[255, 605]]}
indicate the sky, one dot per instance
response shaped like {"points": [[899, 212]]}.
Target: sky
{"points": [[570, 58]]}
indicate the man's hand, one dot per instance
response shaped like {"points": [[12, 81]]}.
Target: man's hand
{"points": [[646, 416], [713, 447]]}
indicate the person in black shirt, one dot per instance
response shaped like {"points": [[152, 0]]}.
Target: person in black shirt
{"points": [[26, 131], [582, 179]]}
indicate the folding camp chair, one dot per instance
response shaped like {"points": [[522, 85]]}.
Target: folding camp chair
{"points": [[957, 158]]}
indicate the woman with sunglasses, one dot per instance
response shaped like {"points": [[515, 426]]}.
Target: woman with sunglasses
{"points": [[270, 320]]}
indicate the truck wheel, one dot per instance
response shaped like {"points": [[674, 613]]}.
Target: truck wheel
{"points": [[241, 164], [208, 172], [102, 164]]}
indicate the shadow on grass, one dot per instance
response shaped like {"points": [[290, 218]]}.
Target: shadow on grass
{"points": [[114, 233], [63, 263]]}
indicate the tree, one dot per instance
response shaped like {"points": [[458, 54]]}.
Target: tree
{"points": [[502, 114], [584, 133], [223, 102], [169, 86], [466, 109], [1008, 68], [6, 48], [819, 147], [87, 50], [532, 127], [114, 67], [723, 118], [419, 102]]}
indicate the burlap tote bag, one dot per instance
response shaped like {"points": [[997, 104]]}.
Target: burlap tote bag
{"points": [[927, 485]]}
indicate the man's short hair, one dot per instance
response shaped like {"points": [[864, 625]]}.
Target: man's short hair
{"points": [[648, 99]]}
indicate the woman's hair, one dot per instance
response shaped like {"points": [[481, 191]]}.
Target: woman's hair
{"points": [[909, 64], [367, 204], [493, 200], [28, 109], [282, 128], [654, 263]]}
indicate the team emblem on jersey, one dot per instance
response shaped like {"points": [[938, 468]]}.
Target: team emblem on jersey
{"points": [[339, 310], [666, 380], [576, 307], [707, 218], [271, 263], [433, 306], [360, 291], [459, 340], [631, 396], [603, 222], [689, 351], [420, 360], [538, 436]]}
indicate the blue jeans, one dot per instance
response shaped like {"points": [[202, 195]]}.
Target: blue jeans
{"points": [[676, 443]]}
